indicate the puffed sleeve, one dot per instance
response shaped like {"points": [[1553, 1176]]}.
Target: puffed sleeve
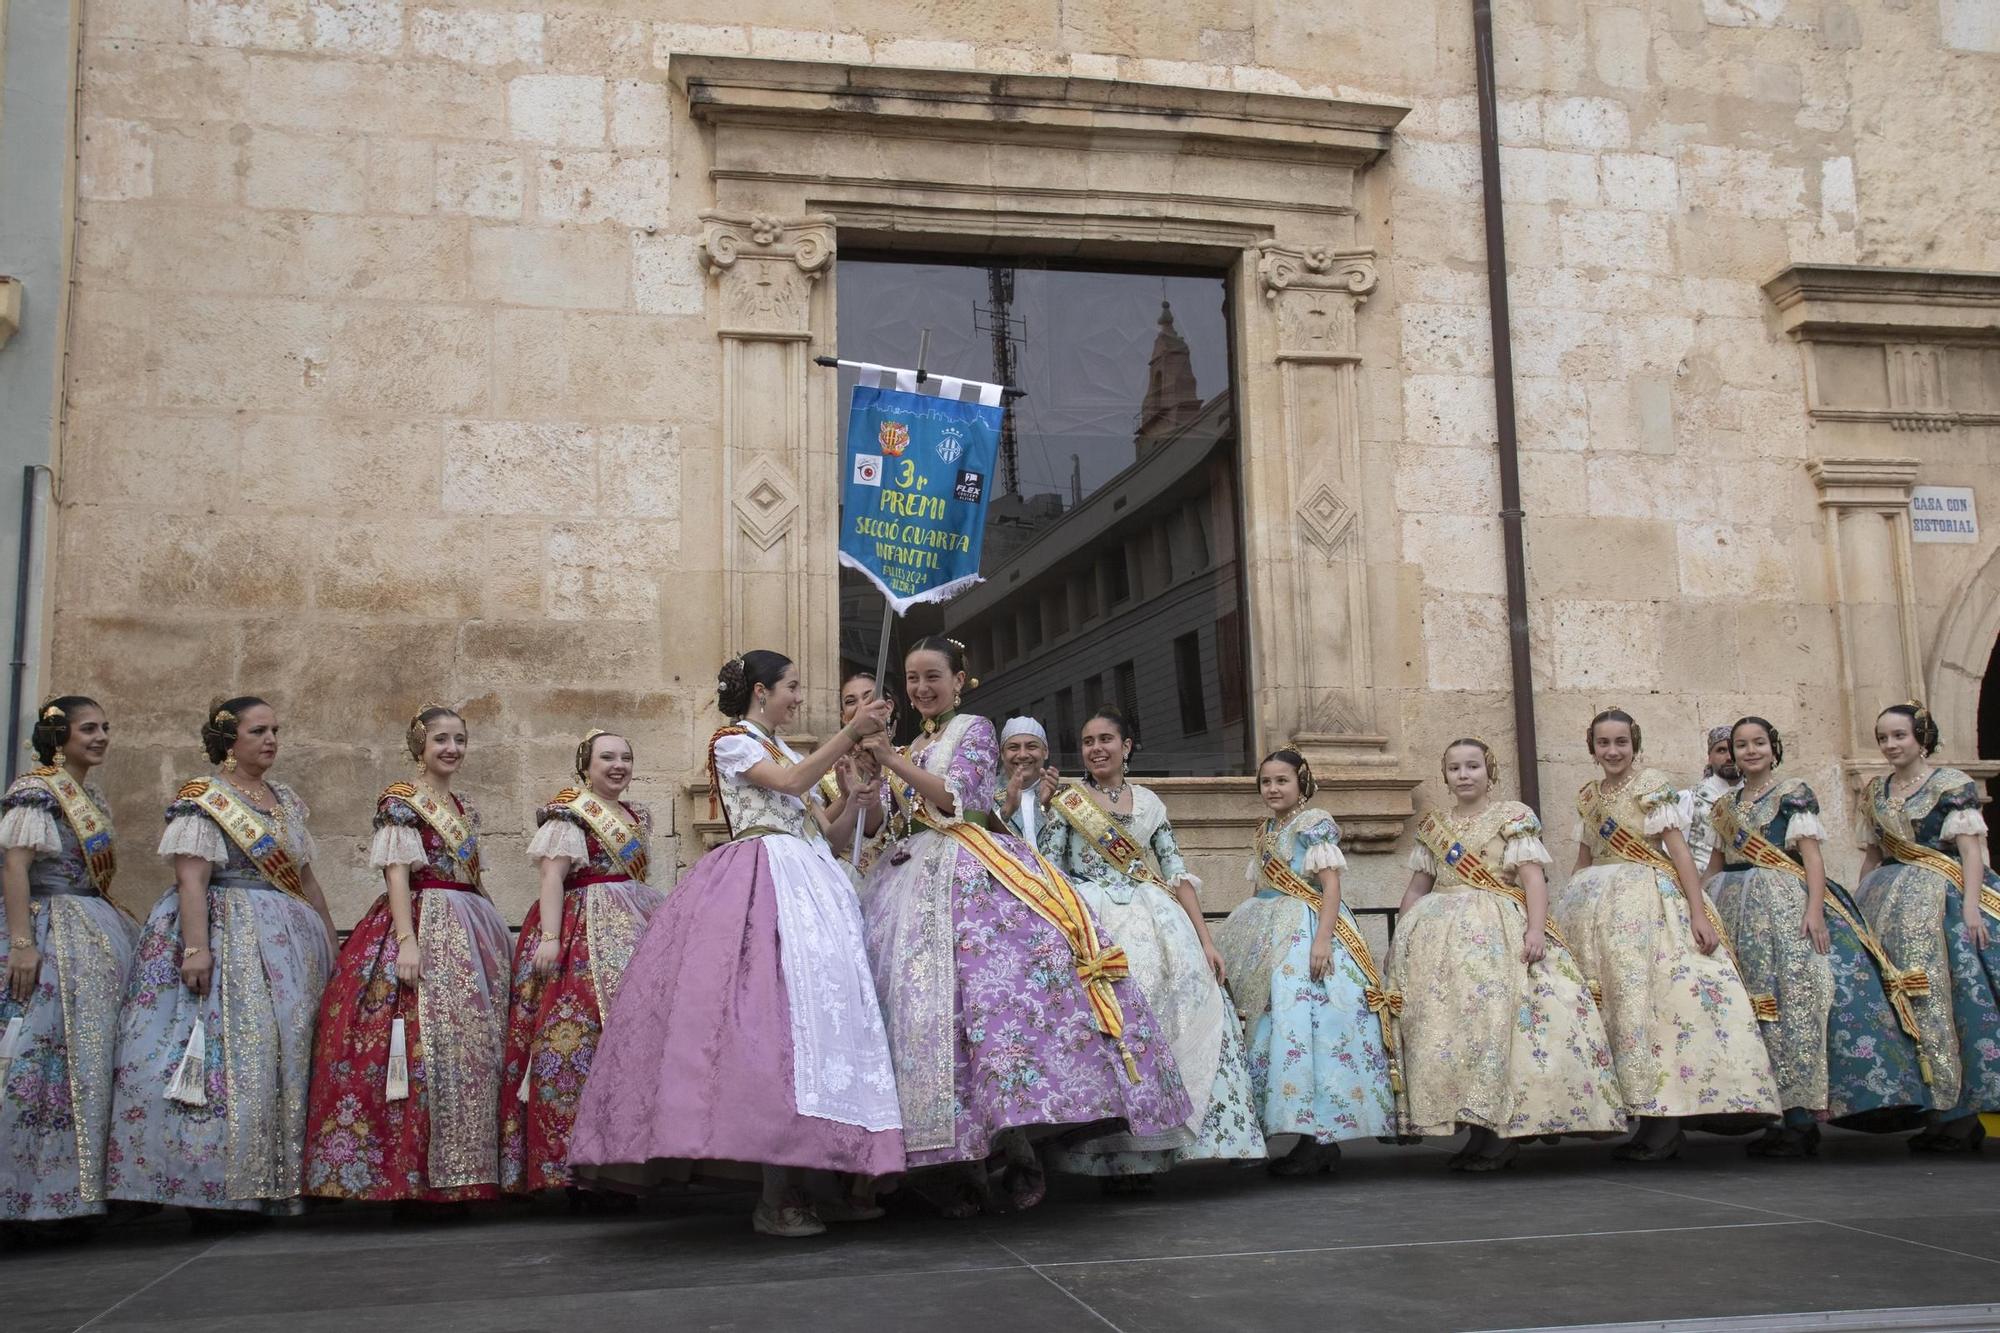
{"points": [[1962, 817], [736, 755], [1664, 805], [29, 820], [1317, 845], [1167, 850], [399, 838], [1423, 861], [1521, 841], [190, 832], [559, 836], [973, 775], [1802, 806]]}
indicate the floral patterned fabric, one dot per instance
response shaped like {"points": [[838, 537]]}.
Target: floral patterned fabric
{"points": [[55, 1093], [1317, 1064], [441, 1142], [1680, 1023], [990, 1027], [243, 1149], [1917, 914], [553, 1024], [1836, 1048], [1168, 964], [1488, 1040]]}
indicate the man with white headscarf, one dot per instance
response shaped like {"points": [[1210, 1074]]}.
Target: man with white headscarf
{"points": [[1024, 756], [1716, 779]]}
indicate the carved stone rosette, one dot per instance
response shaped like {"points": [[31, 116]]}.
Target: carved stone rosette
{"points": [[777, 569]]}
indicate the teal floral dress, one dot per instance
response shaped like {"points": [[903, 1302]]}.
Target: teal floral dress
{"points": [[1836, 1048], [1915, 910]]}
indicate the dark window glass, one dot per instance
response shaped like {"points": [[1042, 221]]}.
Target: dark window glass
{"points": [[1188, 683], [1229, 665], [1064, 746], [1127, 681], [1124, 450]]}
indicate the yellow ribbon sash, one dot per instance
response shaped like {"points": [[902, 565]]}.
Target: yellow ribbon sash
{"points": [[624, 843], [1628, 846], [250, 831], [1900, 985], [445, 821], [1091, 820], [1055, 900], [1383, 1003], [92, 829], [1898, 848], [1470, 867]]}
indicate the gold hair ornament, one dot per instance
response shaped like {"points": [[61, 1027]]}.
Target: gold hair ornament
{"points": [[52, 712]]}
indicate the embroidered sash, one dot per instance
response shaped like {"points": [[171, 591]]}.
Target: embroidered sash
{"points": [[88, 822], [1900, 985], [1898, 848], [1091, 820], [624, 843], [445, 821], [1055, 900], [1630, 847], [1384, 1004], [248, 829], [1469, 866]]}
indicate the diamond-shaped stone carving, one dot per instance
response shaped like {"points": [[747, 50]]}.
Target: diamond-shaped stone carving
{"points": [[1325, 516], [766, 502]]}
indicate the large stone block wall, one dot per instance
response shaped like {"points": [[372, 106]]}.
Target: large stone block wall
{"points": [[392, 372]]}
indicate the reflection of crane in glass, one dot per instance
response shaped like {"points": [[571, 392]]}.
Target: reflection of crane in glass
{"points": [[999, 320]]}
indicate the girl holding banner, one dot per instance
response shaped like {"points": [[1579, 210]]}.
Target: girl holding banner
{"points": [[1320, 1023], [1928, 894], [1113, 840], [962, 923], [1499, 1033], [215, 1036], [69, 949], [747, 1032], [406, 1068], [593, 848], [1683, 1030]]}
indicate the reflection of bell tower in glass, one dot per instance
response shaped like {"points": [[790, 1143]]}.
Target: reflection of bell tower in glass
{"points": [[1171, 401]]}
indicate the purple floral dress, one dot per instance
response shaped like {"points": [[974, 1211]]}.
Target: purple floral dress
{"points": [[989, 1025]]}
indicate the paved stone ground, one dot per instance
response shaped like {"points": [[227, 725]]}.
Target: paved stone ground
{"points": [[1391, 1244]]}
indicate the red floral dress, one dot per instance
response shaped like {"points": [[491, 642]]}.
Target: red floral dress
{"points": [[554, 1022], [439, 1141]]}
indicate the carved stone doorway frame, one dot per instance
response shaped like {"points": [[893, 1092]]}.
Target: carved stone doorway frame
{"points": [[806, 157]]}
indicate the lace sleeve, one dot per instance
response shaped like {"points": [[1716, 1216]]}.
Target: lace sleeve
{"points": [[559, 838], [1665, 807], [30, 819], [1167, 849], [736, 755], [1316, 844], [1422, 861], [396, 844], [973, 772], [1801, 808], [194, 835], [1521, 841]]}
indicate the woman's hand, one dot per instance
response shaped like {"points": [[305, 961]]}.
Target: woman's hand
{"points": [[1215, 964], [24, 972], [1975, 920], [873, 719], [1321, 961], [1812, 926], [197, 970], [1534, 946], [548, 957], [1705, 938], [409, 960], [876, 745]]}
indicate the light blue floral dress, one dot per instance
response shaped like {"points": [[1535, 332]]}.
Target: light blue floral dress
{"points": [[1148, 922], [55, 1092], [1317, 1063], [241, 1148]]}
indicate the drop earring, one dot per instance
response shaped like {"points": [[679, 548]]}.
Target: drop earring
{"points": [[229, 763]]}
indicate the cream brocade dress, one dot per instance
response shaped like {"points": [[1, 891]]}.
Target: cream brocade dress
{"points": [[1681, 1027], [1486, 1039]]}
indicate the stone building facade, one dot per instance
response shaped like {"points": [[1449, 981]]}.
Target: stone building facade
{"points": [[420, 350]]}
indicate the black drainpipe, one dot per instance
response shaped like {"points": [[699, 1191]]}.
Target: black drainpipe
{"points": [[20, 664], [1503, 399]]}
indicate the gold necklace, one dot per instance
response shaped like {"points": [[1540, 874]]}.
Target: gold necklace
{"points": [[1605, 788], [1747, 797], [1913, 788]]}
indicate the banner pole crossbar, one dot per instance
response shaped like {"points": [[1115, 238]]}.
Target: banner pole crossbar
{"points": [[923, 375]]}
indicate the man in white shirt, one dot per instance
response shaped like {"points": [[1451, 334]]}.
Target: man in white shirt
{"points": [[1719, 777]]}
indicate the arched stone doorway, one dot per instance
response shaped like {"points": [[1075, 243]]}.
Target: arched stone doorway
{"points": [[1964, 672]]}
